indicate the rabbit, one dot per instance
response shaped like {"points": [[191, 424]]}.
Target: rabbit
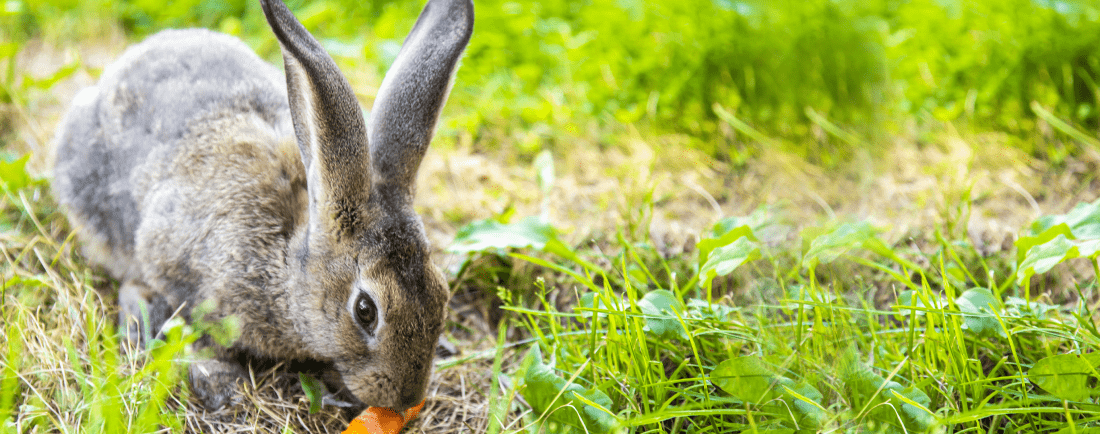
{"points": [[194, 176]]}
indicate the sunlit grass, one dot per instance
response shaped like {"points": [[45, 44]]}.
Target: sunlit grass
{"points": [[640, 352], [63, 365]]}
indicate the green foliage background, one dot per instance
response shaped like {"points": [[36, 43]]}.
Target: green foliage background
{"points": [[558, 67]]}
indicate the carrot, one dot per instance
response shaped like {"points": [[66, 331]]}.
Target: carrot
{"points": [[381, 420]]}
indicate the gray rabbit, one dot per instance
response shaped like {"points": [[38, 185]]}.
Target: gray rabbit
{"points": [[194, 175]]}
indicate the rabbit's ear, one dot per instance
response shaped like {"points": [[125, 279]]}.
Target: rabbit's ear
{"points": [[415, 88], [328, 123]]}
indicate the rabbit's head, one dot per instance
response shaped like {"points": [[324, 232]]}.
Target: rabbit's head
{"points": [[371, 301]]}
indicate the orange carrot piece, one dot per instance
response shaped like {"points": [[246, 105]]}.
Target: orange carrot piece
{"points": [[381, 420], [412, 412]]}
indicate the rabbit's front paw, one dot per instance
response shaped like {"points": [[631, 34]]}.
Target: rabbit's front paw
{"points": [[214, 382]]}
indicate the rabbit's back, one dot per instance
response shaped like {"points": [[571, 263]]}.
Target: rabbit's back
{"points": [[116, 139], [185, 171]]}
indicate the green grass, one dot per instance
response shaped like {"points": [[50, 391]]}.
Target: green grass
{"points": [[547, 73], [62, 363], [650, 350]]}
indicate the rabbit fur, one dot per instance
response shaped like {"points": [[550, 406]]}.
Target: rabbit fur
{"points": [[194, 173]]}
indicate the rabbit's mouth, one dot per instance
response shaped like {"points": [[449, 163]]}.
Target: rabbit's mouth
{"points": [[378, 388]]}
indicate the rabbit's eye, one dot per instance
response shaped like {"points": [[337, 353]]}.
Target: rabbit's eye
{"points": [[366, 312]]}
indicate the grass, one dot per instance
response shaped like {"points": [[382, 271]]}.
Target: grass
{"points": [[942, 355], [878, 191], [546, 74], [828, 337]]}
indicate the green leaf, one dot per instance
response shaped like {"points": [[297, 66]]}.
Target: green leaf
{"points": [[531, 232], [1042, 258], [1066, 376], [1018, 307], [979, 305], [701, 309], [907, 406], [909, 298], [596, 300], [746, 378], [490, 235], [1025, 243], [534, 355], [547, 393], [914, 404], [1057, 238], [723, 260], [707, 245], [749, 379], [860, 382], [661, 308], [1088, 249], [756, 222], [13, 173], [806, 402], [797, 295], [826, 248], [1083, 221], [314, 389]]}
